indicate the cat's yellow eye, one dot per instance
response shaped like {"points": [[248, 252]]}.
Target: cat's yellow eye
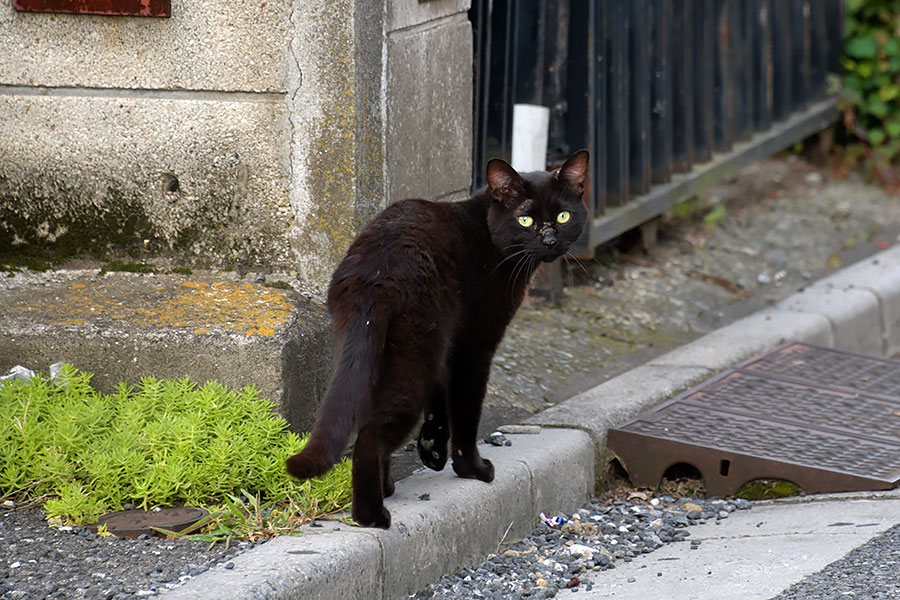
{"points": [[526, 221], [563, 217]]}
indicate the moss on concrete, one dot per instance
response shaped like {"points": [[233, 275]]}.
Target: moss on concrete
{"points": [[765, 489], [50, 229]]}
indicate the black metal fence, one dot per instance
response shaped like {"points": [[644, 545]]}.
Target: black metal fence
{"points": [[667, 94]]}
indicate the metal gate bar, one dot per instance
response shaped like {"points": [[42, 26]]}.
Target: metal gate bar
{"points": [[656, 89]]}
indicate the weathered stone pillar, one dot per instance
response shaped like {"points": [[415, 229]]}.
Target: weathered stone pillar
{"points": [[381, 102]]}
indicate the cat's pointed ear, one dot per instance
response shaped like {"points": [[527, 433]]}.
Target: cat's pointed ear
{"points": [[574, 170], [505, 183]]}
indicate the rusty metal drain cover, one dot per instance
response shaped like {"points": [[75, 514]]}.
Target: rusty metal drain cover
{"points": [[824, 419], [132, 523]]}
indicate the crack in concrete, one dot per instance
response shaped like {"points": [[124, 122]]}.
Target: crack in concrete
{"points": [[292, 102]]}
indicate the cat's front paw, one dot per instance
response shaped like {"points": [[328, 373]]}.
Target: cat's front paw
{"points": [[479, 468], [432, 456], [432, 444]]}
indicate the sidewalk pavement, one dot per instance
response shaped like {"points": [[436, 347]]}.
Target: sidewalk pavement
{"points": [[756, 554]]}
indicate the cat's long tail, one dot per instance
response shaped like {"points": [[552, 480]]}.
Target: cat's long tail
{"points": [[347, 399]]}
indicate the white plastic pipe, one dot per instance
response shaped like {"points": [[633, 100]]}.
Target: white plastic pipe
{"points": [[531, 126]]}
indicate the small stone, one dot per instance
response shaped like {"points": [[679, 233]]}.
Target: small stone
{"points": [[229, 565], [742, 504], [425, 496], [578, 551], [764, 278], [496, 439], [631, 580]]}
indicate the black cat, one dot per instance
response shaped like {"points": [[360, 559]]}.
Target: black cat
{"points": [[419, 304]]}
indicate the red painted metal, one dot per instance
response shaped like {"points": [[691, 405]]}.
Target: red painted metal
{"points": [[134, 8], [827, 420]]}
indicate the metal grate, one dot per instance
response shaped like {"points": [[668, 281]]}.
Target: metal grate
{"points": [[824, 419]]}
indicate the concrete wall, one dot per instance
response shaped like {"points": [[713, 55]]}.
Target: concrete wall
{"points": [[287, 126]]}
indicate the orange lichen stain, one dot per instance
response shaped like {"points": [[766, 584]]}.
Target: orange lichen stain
{"points": [[197, 305], [240, 307], [260, 331]]}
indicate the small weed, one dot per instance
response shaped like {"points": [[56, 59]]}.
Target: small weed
{"points": [[714, 216], [160, 443], [687, 208], [181, 271]]}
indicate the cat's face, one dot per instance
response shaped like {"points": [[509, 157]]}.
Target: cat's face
{"points": [[537, 216]]}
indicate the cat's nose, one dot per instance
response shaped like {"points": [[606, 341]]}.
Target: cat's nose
{"points": [[549, 239]]}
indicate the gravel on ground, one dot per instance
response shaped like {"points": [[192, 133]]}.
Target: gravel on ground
{"points": [[566, 548], [38, 562]]}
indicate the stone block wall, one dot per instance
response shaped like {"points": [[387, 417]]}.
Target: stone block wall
{"points": [[254, 135]]}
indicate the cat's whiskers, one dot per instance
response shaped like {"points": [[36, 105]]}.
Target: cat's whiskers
{"points": [[526, 266], [578, 262], [516, 254]]}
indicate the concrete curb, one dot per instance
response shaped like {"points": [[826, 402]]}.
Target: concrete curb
{"points": [[857, 309], [458, 525]]}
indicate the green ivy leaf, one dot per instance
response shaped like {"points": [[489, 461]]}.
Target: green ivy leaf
{"points": [[862, 47], [876, 137], [893, 128]]}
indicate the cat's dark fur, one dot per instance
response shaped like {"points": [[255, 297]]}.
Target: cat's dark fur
{"points": [[419, 304]]}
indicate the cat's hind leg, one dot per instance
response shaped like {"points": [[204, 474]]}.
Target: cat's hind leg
{"points": [[397, 404], [435, 432], [387, 482], [368, 479]]}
